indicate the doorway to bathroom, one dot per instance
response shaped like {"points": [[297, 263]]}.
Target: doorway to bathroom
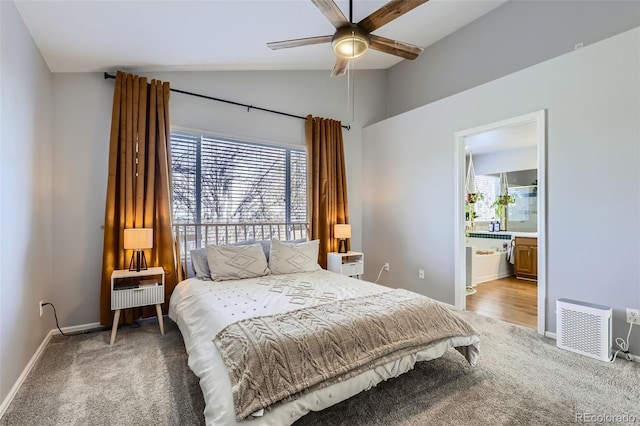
{"points": [[501, 269]]}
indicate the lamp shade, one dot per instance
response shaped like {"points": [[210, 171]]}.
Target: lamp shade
{"points": [[138, 238], [342, 231]]}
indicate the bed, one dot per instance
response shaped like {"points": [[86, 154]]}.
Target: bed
{"points": [[270, 348]]}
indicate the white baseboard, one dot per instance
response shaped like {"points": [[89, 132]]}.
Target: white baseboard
{"points": [[25, 373], [76, 328], [634, 358], [16, 386]]}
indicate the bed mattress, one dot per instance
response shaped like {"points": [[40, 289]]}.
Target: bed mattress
{"points": [[202, 309]]}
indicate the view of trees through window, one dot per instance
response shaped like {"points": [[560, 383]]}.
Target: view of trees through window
{"points": [[489, 187], [218, 180]]}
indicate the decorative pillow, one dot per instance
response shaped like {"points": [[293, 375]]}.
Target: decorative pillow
{"points": [[235, 262], [200, 265], [266, 245], [290, 257]]}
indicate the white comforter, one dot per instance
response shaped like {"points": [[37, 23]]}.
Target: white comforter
{"points": [[203, 308]]}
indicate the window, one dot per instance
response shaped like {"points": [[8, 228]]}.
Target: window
{"points": [[489, 187], [219, 180]]}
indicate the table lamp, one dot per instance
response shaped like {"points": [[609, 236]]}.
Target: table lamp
{"points": [[342, 232], [138, 239]]}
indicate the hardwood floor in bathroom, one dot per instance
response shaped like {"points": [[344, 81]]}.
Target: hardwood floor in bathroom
{"points": [[507, 299]]}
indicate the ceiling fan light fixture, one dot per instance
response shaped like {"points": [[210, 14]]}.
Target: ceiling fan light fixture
{"points": [[350, 42]]}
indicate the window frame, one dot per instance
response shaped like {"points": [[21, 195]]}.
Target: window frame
{"points": [[199, 136]]}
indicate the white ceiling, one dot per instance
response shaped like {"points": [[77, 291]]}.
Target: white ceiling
{"points": [[503, 139], [173, 35]]}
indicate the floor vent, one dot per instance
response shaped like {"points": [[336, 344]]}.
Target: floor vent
{"points": [[584, 328]]}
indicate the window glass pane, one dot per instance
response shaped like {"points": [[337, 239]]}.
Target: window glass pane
{"points": [[298, 163], [227, 181], [489, 187], [183, 158]]}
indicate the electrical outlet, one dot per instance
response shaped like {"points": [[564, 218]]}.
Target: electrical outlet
{"points": [[633, 316], [386, 266], [40, 306], [421, 273]]}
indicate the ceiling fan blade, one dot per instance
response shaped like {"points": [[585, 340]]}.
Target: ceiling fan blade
{"points": [[332, 12], [394, 47], [299, 42], [388, 13], [340, 67]]}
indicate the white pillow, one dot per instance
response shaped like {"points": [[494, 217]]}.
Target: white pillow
{"points": [[266, 245], [200, 264], [290, 257], [236, 262]]}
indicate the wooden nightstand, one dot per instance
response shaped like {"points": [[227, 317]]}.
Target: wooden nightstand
{"points": [[350, 263], [130, 289]]}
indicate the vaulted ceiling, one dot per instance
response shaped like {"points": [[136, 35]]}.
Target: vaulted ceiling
{"points": [[176, 35]]}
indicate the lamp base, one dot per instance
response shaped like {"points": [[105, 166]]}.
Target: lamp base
{"points": [[139, 263], [342, 247]]}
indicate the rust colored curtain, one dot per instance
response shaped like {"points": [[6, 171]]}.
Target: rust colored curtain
{"points": [[326, 183], [139, 185]]}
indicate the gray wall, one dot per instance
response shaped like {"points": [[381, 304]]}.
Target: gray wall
{"points": [[592, 99], [81, 136], [514, 36], [25, 197]]}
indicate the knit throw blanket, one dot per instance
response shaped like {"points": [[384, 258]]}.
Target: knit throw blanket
{"points": [[272, 358]]}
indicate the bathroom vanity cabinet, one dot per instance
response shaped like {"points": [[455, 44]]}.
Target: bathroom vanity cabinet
{"points": [[525, 254]]}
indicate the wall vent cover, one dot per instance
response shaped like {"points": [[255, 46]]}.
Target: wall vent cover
{"points": [[584, 328]]}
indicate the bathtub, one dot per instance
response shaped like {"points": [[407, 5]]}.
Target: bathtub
{"points": [[486, 267]]}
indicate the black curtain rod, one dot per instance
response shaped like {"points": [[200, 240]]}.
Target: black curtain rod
{"points": [[248, 107]]}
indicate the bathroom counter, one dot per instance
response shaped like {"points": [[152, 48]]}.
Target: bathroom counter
{"points": [[512, 233]]}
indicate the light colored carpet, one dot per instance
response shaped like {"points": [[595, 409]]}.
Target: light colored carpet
{"points": [[143, 379], [521, 379]]}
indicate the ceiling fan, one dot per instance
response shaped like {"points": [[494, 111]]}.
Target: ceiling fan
{"points": [[352, 40]]}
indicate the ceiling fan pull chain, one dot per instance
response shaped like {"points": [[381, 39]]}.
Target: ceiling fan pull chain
{"points": [[353, 99], [348, 88], [353, 44]]}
